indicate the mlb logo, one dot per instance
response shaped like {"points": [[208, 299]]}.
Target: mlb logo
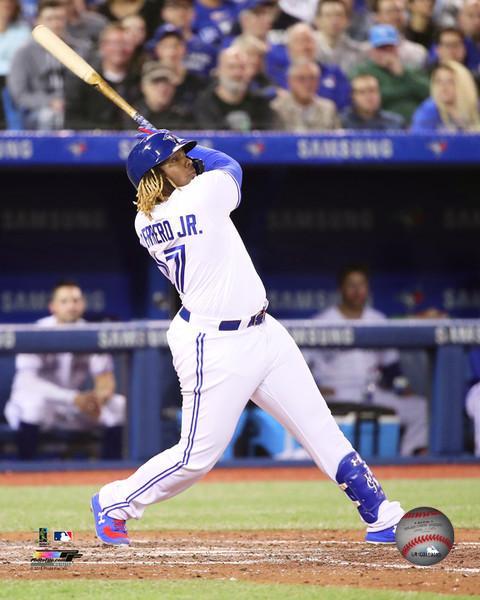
{"points": [[62, 536]]}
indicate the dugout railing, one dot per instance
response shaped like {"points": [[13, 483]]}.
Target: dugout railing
{"points": [[151, 366]]}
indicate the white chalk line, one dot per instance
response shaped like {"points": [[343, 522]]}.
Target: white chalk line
{"points": [[332, 562]]}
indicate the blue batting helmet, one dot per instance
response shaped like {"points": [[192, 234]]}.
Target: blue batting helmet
{"points": [[153, 150]]}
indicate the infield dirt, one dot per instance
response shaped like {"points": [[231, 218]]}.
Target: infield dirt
{"points": [[314, 557], [323, 557]]}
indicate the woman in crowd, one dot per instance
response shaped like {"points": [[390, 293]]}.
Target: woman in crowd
{"points": [[14, 32], [453, 103]]}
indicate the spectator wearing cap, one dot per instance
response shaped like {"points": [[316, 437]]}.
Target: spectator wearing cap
{"points": [[453, 104], [255, 50], [214, 19], [168, 46], [300, 109], [301, 46], [255, 19], [421, 28], [334, 45], [366, 111], [201, 57], [158, 98], [228, 104], [394, 13], [402, 88], [85, 107]]}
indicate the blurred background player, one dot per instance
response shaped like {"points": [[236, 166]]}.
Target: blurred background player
{"points": [[472, 403], [364, 375], [48, 390]]}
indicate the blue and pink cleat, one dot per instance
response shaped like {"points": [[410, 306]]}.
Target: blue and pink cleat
{"points": [[110, 531], [385, 536]]}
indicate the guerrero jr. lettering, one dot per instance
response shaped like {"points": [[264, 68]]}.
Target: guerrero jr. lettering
{"points": [[162, 232]]}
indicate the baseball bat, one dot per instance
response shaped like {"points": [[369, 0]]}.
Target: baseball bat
{"points": [[80, 67]]}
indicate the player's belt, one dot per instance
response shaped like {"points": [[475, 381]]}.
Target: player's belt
{"points": [[233, 325]]}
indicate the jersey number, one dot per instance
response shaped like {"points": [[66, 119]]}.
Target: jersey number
{"points": [[177, 254]]}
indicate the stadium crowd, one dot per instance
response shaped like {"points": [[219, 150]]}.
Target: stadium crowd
{"points": [[296, 65]]}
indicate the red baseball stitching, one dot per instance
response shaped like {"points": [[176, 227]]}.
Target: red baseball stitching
{"points": [[426, 538], [421, 515]]}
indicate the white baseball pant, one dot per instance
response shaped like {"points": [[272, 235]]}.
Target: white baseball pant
{"points": [[219, 371]]}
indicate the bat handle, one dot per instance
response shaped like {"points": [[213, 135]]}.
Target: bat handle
{"points": [[142, 122]]}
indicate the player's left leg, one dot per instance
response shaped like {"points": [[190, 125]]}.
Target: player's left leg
{"points": [[290, 394], [473, 411]]}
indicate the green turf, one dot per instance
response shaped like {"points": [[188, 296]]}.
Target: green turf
{"points": [[197, 590], [253, 505]]}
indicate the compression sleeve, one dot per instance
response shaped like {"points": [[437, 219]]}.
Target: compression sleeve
{"points": [[214, 159]]}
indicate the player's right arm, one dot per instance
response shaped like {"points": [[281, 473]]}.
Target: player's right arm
{"points": [[214, 159]]}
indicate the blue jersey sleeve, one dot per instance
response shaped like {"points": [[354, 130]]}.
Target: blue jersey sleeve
{"points": [[213, 159]]}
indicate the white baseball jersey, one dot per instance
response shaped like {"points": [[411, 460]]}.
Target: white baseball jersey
{"points": [[196, 245], [348, 372], [57, 376], [200, 250]]}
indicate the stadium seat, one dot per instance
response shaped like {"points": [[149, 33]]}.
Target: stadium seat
{"points": [[373, 430], [269, 437]]}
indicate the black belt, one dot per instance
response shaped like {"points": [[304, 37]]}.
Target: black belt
{"points": [[233, 325]]}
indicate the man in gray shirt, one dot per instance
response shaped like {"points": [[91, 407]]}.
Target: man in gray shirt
{"points": [[36, 79], [334, 46]]}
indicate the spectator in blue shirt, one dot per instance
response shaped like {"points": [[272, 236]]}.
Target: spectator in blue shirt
{"points": [[366, 110], [453, 103], [301, 46], [201, 56], [214, 19], [255, 18], [14, 32]]}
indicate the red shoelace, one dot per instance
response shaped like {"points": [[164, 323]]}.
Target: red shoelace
{"points": [[119, 525]]}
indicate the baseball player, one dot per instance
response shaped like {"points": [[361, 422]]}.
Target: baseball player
{"points": [[46, 387], [360, 375], [226, 349], [472, 402]]}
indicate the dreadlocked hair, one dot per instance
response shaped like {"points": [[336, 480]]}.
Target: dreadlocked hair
{"points": [[150, 191]]}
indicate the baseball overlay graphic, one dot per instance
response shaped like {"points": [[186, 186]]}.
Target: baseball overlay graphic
{"points": [[424, 536]]}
